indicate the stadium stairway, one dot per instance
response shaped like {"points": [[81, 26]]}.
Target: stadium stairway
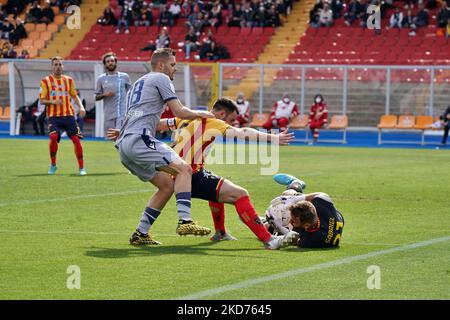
{"points": [[65, 40], [277, 51]]}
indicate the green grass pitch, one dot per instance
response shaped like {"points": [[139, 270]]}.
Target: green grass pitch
{"points": [[389, 197]]}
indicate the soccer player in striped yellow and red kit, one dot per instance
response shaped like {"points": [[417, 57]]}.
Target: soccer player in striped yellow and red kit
{"points": [[192, 141], [56, 92]]}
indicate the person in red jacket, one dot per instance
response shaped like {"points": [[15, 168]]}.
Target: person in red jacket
{"points": [[318, 116], [282, 111]]}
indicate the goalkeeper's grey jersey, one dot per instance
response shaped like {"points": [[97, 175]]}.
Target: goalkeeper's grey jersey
{"points": [[114, 107], [145, 104]]}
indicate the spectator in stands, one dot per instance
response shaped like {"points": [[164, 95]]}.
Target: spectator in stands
{"points": [[243, 106], [445, 123], [12, 53], [215, 15], [24, 54], [8, 28], [162, 41], [190, 42], [259, 18], [18, 33], [408, 17], [175, 10], [165, 18], [34, 15], [125, 19], [363, 16], [15, 7], [443, 15], [237, 17], [248, 14], [196, 21], [212, 52], [282, 111], [108, 19], [147, 16], [353, 12], [314, 14], [396, 20], [280, 8], [273, 18], [421, 20], [47, 13], [3, 15], [325, 16], [318, 116], [336, 7]]}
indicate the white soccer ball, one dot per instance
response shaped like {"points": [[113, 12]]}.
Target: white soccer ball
{"points": [[279, 210]]}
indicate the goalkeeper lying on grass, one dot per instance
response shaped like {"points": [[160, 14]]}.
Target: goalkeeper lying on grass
{"points": [[306, 220]]}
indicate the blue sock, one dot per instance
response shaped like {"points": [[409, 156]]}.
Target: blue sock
{"points": [[148, 217], [184, 205]]}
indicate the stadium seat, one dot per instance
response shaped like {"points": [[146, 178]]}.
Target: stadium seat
{"points": [[41, 27], [423, 123], [259, 119], [339, 122], [386, 122], [29, 27], [299, 122], [406, 122], [6, 113]]}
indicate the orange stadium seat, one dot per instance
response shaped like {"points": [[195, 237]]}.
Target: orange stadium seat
{"points": [[299, 122], [423, 122], [39, 44], [60, 19], [406, 122], [6, 113], [33, 35], [53, 27], [259, 119], [41, 27], [29, 27], [46, 36], [387, 122], [26, 43]]}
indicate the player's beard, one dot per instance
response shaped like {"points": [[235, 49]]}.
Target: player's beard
{"points": [[111, 68]]}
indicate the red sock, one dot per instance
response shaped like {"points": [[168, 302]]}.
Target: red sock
{"points": [[218, 215], [78, 151], [53, 147], [248, 214]]}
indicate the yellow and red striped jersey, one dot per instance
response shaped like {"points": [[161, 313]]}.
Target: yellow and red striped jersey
{"points": [[55, 89], [193, 138]]}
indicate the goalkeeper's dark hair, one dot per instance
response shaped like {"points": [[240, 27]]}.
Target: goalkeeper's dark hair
{"points": [[305, 211], [227, 104]]}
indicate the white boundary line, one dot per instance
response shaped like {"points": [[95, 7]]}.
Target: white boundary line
{"points": [[316, 267], [86, 196]]}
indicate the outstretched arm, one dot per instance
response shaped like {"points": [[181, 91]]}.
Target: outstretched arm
{"points": [[251, 134]]}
